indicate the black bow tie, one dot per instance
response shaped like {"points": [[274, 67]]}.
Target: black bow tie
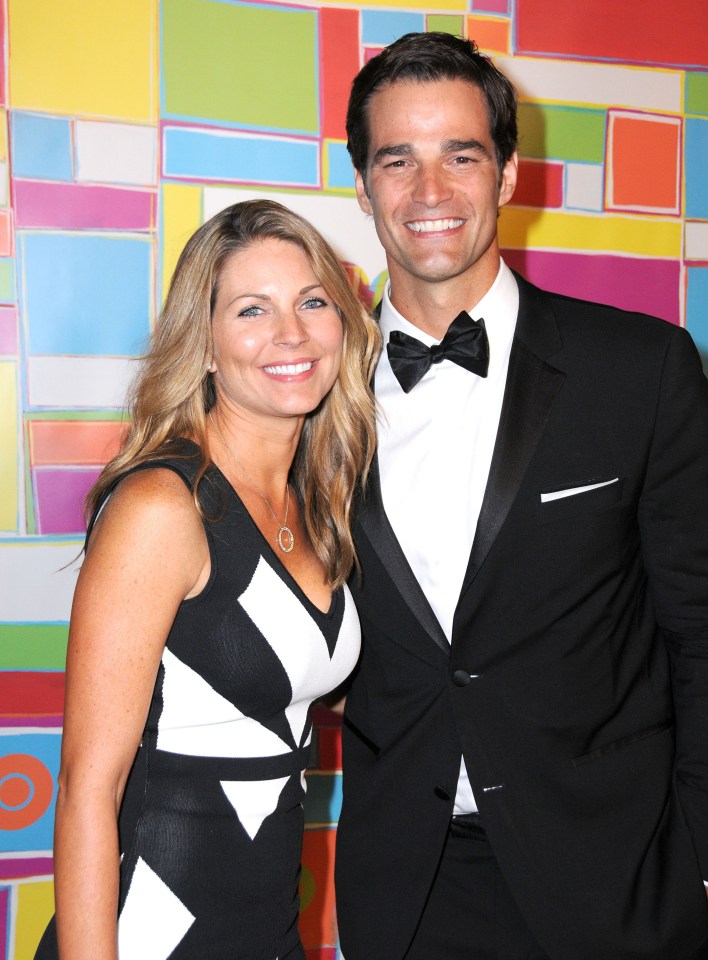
{"points": [[465, 343]]}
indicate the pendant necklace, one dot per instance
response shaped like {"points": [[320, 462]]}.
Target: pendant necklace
{"points": [[285, 537]]}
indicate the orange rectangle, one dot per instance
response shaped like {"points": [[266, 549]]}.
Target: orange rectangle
{"points": [[6, 245], [492, 35], [74, 441]]}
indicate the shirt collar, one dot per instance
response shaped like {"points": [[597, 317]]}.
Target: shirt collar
{"points": [[499, 307]]}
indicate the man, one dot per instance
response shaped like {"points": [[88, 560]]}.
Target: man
{"points": [[526, 738]]}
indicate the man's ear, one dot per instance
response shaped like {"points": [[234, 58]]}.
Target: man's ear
{"points": [[361, 194], [508, 179]]}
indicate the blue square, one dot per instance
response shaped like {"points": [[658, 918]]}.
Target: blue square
{"points": [[381, 27], [86, 295], [697, 310], [340, 173], [32, 759], [41, 146], [696, 179]]}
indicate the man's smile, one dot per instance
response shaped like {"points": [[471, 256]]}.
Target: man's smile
{"points": [[433, 226]]}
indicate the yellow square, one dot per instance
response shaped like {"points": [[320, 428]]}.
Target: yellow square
{"points": [[35, 906], [84, 58]]}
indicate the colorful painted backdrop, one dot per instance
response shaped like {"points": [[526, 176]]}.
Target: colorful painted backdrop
{"points": [[125, 125]]}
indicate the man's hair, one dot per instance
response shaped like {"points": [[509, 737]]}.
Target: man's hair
{"points": [[427, 58]]}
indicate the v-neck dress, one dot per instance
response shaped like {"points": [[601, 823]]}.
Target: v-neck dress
{"points": [[211, 824]]}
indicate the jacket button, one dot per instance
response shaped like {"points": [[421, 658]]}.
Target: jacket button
{"points": [[441, 794], [461, 678]]}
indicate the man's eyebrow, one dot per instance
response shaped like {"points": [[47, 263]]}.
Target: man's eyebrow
{"points": [[454, 146], [393, 150]]}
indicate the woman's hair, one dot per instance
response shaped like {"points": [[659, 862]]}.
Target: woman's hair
{"points": [[174, 390]]}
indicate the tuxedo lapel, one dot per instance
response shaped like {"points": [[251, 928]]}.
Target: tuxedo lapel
{"points": [[531, 388], [372, 520]]}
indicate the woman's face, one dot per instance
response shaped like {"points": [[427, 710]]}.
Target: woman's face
{"points": [[277, 334]]}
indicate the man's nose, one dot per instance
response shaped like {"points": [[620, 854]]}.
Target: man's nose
{"points": [[432, 186]]}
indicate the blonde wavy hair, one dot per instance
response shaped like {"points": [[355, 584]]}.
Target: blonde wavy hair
{"points": [[174, 390]]}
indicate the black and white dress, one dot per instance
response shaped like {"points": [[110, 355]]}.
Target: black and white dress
{"points": [[211, 825]]}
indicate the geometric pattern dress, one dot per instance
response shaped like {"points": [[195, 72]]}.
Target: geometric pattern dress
{"points": [[212, 822]]}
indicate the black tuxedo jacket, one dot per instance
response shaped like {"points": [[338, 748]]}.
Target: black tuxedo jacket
{"points": [[576, 684]]}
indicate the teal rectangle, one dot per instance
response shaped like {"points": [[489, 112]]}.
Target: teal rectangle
{"points": [[340, 173], [381, 27], [41, 146], [208, 155], [323, 801], [696, 315], [86, 295]]}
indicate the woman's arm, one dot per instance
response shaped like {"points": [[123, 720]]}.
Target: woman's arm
{"points": [[147, 553]]}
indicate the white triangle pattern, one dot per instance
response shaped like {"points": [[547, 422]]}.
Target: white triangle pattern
{"points": [[298, 642], [253, 800], [198, 722], [153, 919]]}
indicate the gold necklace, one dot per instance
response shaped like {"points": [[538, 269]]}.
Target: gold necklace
{"points": [[285, 537]]}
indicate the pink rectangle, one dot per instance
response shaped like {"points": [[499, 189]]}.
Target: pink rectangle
{"points": [[491, 6], [18, 868], [9, 340], [60, 499], [48, 720], [77, 206], [630, 283]]}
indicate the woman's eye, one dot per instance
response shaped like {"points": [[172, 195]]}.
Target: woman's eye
{"points": [[313, 303], [252, 311]]}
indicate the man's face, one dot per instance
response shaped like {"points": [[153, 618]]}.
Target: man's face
{"points": [[433, 185]]}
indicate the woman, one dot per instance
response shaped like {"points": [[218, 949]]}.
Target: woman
{"points": [[211, 609]]}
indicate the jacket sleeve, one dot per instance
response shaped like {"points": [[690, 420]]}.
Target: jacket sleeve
{"points": [[673, 518]]}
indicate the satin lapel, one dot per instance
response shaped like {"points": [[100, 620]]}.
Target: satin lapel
{"points": [[531, 388], [373, 521]]}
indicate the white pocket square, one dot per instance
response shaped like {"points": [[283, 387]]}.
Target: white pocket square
{"points": [[574, 491]]}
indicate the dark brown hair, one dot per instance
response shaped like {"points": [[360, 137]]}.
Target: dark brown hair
{"points": [[426, 58]]}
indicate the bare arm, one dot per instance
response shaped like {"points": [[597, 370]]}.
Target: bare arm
{"points": [[147, 553]]}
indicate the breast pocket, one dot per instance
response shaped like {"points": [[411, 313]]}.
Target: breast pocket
{"points": [[570, 500]]}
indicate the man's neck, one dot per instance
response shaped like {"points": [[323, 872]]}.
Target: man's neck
{"points": [[433, 306]]}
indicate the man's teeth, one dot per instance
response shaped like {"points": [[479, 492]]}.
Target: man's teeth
{"points": [[289, 369], [429, 226]]}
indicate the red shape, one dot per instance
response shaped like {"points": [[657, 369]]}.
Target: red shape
{"points": [[339, 38], [654, 185], [317, 921], [321, 953], [323, 717], [634, 31], [539, 185], [19, 808], [329, 753], [27, 693], [76, 206]]}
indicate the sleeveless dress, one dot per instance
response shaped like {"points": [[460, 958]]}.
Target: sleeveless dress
{"points": [[211, 823]]}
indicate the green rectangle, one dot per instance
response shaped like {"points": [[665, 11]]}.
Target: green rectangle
{"points": [[241, 64], [561, 133], [697, 94], [7, 280], [33, 646], [445, 23]]}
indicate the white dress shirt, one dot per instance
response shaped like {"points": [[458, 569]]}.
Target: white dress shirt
{"points": [[435, 449]]}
